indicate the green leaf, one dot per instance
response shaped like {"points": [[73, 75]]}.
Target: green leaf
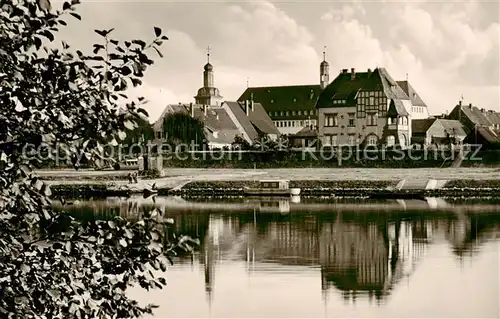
{"points": [[157, 31]]}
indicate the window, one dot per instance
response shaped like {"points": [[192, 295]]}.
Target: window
{"points": [[293, 123], [272, 101], [391, 140], [352, 139], [330, 140], [331, 120], [334, 140], [287, 113], [371, 101], [372, 140], [382, 107], [372, 119], [300, 112], [293, 113], [301, 123], [351, 119], [281, 113], [361, 108]]}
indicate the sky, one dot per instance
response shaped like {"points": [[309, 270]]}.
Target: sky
{"points": [[447, 49]]}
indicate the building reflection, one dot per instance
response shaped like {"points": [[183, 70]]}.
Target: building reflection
{"points": [[359, 255]]}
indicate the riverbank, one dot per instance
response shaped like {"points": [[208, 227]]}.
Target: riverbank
{"points": [[313, 182], [455, 188]]}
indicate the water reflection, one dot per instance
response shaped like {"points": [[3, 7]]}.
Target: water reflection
{"points": [[356, 256]]}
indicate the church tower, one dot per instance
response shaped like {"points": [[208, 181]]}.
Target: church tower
{"points": [[208, 94], [324, 73]]}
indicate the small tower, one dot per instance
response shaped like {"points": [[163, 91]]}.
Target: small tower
{"points": [[208, 94], [324, 71]]}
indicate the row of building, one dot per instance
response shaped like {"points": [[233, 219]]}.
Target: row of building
{"points": [[356, 108]]}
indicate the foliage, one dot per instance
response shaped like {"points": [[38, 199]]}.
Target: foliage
{"points": [[181, 128], [52, 265], [240, 143], [139, 135]]}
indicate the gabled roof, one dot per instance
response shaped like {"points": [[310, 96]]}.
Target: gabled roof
{"points": [[283, 98], [345, 87], [421, 126], [397, 108], [215, 117], [474, 114], [243, 119], [416, 100], [261, 120], [452, 126]]}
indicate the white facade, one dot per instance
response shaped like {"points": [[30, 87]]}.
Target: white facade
{"points": [[293, 126]]}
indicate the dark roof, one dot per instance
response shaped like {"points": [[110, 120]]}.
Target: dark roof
{"points": [[283, 98], [488, 135], [421, 126], [474, 114], [416, 100], [453, 125], [345, 88], [396, 108]]}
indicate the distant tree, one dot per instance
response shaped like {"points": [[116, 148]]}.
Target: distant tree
{"points": [[51, 264], [181, 128], [240, 143]]}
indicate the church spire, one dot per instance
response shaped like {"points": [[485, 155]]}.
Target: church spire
{"points": [[324, 73]]}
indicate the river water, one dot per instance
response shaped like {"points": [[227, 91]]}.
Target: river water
{"points": [[266, 259]]}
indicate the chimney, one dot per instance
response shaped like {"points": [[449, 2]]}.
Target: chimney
{"points": [[246, 108], [191, 109], [369, 71], [344, 71], [353, 74], [460, 103], [482, 110]]}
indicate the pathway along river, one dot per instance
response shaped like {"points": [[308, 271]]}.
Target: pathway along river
{"points": [[344, 259]]}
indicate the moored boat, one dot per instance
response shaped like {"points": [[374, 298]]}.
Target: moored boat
{"points": [[272, 188]]}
